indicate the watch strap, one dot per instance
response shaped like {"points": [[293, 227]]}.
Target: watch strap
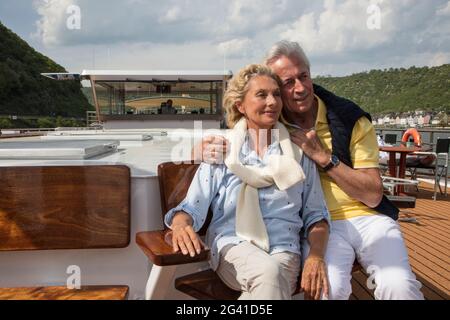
{"points": [[334, 161], [328, 166]]}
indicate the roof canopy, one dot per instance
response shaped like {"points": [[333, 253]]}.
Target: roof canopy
{"points": [[144, 75], [156, 75]]}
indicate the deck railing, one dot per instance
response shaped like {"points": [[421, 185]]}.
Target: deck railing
{"points": [[429, 135]]}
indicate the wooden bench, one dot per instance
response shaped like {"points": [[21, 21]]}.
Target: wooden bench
{"points": [[174, 182], [402, 202], [64, 207]]}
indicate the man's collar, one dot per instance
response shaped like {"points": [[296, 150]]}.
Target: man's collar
{"points": [[321, 111]]}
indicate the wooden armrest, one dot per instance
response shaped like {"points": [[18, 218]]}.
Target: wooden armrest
{"points": [[159, 252], [98, 292], [396, 181]]}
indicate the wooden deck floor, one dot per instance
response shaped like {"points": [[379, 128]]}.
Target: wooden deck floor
{"points": [[428, 244]]}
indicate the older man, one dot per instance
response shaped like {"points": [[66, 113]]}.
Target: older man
{"points": [[339, 137]]}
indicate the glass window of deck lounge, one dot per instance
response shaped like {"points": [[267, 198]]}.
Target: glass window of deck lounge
{"points": [[140, 98]]}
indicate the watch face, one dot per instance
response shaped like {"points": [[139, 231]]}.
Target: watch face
{"points": [[335, 160]]}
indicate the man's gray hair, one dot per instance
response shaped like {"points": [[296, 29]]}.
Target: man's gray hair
{"points": [[288, 49]]}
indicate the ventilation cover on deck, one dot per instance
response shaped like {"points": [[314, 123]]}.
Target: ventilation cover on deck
{"points": [[63, 150]]}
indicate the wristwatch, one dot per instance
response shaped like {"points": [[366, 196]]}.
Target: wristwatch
{"points": [[334, 162]]}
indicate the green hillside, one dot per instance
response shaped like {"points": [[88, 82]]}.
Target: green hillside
{"points": [[395, 90], [23, 91]]}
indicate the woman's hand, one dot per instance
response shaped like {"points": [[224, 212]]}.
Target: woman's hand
{"points": [[212, 150], [314, 278], [184, 237]]}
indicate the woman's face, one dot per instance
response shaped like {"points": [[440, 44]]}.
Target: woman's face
{"points": [[262, 103]]}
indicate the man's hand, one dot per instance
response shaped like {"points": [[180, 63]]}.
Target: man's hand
{"points": [[311, 146], [212, 150], [184, 237], [364, 185], [314, 278]]}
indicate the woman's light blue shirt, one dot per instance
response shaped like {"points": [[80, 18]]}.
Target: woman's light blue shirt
{"points": [[284, 212]]}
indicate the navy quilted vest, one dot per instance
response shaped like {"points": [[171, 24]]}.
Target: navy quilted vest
{"points": [[342, 115]]}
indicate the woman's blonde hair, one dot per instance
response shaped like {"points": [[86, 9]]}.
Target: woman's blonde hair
{"points": [[238, 88]]}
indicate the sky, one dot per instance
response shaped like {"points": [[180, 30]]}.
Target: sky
{"points": [[340, 37]]}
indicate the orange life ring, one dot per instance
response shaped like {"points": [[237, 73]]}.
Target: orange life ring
{"points": [[415, 134]]}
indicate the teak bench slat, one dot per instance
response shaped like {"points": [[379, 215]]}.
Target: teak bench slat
{"points": [[64, 207], [63, 293]]}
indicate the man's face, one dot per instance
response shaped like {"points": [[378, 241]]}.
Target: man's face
{"points": [[297, 90], [262, 103]]}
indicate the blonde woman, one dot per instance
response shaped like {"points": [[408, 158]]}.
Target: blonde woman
{"points": [[261, 197]]}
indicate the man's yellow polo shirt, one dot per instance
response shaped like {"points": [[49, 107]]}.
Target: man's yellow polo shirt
{"points": [[364, 154]]}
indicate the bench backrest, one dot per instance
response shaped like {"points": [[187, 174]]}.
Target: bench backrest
{"points": [[174, 182], [64, 207]]}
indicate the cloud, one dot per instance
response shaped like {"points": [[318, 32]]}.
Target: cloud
{"points": [[112, 21], [169, 21], [439, 58], [235, 48], [172, 15], [198, 33], [338, 28], [444, 11], [339, 31], [51, 12]]}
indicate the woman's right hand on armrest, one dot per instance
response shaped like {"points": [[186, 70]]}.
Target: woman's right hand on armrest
{"points": [[184, 237], [212, 150]]}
